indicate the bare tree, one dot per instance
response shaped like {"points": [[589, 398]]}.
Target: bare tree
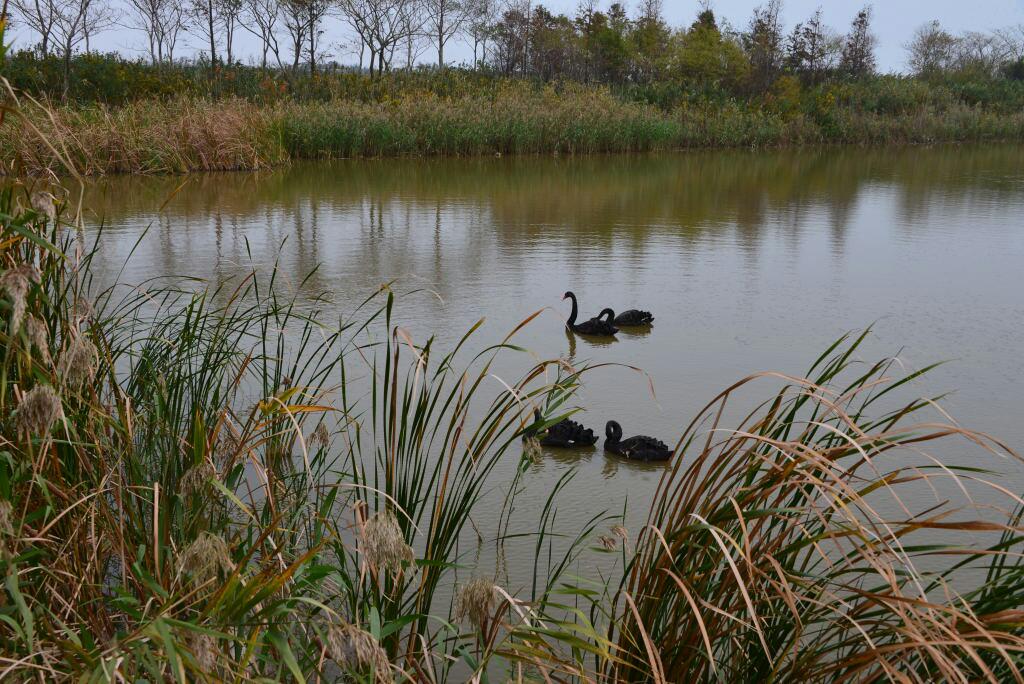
{"points": [[63, 25], [355, 13], [99, 16], [303, 20], [293, 16], [859, 50], [230, 13], [383, 25], [416, 41], [316, 10], [352, 44], [144, 16], [260, 19], [653, 10], [1011, 42], [38, 15], [162, 21], [932, 49], [444, 19], [174, 22], [480, 24], [205, 22], [978, 54], [73, 21]]}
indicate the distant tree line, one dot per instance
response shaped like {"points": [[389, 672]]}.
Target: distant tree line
{"points": [[519, 38]]}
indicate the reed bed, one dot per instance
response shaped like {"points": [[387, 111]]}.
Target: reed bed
{"points": [[195, 490], [214, 483], [178, 136], [788, 548], [196, 134]]}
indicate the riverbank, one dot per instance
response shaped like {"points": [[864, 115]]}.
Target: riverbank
{"points": [[191, 134]]}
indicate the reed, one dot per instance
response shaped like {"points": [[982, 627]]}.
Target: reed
{"points": [[187, 134], [194, 487], [789, 549]]}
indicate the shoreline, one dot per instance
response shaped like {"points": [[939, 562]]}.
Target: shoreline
{"points": [[192, 135]]}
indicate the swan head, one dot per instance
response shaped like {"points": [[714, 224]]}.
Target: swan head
{"points": [[530, 431], [569, 295], [613, 431]]}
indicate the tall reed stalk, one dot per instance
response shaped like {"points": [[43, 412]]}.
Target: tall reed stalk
{"points": [[790, 548]]}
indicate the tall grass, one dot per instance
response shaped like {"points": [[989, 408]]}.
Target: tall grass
{"points": [[187, 134], [789, 548], [195, 487]]}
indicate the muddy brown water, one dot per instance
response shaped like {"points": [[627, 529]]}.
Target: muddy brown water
{"points": [[750, 261]]}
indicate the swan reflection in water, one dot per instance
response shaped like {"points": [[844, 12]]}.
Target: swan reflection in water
{"points": [[573, 338], [612, 464], [638, 332]]}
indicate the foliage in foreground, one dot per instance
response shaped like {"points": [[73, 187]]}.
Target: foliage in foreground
{"points": [[198, 489], [794, 546]]}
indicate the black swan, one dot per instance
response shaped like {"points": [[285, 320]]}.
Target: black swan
{"points": [[639, 448], [633, 317], [595, 326], [564, 434]]}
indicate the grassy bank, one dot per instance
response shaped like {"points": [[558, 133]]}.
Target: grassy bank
{"points": [[216, 484], [199, 134]]}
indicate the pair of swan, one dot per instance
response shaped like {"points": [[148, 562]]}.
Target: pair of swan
{"points": [[568, 433], [604, 324]]}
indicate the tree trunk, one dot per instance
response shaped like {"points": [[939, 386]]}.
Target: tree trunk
{"points": [[440, 37], [67, 70], [312, 46], [213, 42], [229, 35]]}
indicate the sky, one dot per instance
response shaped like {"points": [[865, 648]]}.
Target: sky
{"points": [[894, 24]]}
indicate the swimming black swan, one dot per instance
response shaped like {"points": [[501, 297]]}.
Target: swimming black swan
{"points": [[564, 434], [633, 317], [639, 448], [595, 326]]}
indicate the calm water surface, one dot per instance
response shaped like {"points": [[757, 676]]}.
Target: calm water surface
{"points": [[750, 262]]}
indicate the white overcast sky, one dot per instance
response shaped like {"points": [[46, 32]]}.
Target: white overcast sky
{"points": [[894, 22]]}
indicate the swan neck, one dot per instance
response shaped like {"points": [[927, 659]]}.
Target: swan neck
{"points": [[572, 315]]}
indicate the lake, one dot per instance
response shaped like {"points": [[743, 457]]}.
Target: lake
{"points": [[750, 261]]}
